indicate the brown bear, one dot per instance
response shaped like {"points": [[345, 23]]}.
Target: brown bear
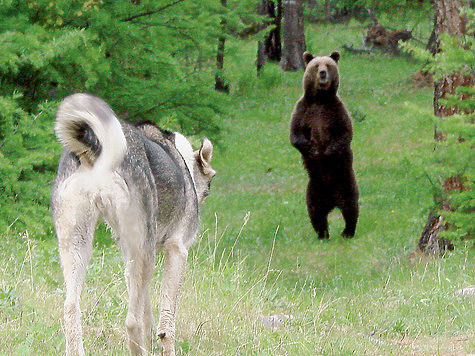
{"points": [[321, 130]]}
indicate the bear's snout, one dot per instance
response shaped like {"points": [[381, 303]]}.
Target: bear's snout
{"points": [[322, 76]]}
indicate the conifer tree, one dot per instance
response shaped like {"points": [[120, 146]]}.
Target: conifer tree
{"points": [[150, 60], [454, 105]]}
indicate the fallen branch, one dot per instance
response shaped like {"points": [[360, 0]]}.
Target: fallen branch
{"points": [[360, 50], [379, 37]]}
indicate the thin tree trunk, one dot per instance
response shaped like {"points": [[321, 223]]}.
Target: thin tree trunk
{"points": [[274, 44], [270, 49], [261, 57], [263, 9], [294, 36], [430, 46], [220, 83], [327, 8]]}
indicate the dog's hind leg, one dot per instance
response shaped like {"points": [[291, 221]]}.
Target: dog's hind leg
{"points": [[148, 318], [75, 222], [174, 270], [140, 262]]}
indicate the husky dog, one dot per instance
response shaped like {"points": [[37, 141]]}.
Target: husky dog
{"points": [[147, 185]]}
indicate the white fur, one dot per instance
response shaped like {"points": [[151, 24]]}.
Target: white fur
{"points": [[186, 150], [75, 110], [91, 193]]}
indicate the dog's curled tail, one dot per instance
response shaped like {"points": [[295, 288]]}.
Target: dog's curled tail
{"points": [[79, 112]]}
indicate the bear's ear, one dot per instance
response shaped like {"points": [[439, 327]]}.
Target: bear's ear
{"points": [[335, 56], [307, 57]]}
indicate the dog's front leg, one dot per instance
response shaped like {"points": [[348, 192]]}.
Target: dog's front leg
{"points": [[173, 274]]}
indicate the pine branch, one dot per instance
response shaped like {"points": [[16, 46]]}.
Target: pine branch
{"points": [[151, 12]]}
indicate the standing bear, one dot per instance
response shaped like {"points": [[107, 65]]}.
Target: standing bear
{"points": [[321, 130]]}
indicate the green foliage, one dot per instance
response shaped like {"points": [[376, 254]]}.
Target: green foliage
{"points": [[28, 156], [258, 255], [8, 299], [151, 60], [383, 6], [38, 66], [454, 156], [385, 11]]}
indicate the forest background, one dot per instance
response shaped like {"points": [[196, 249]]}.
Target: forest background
{"points": [[257, 260]]}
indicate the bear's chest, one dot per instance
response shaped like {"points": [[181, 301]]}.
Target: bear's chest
{"points": [[321, 122]]}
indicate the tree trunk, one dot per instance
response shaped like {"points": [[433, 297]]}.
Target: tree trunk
{"points": [[327, 8], [270, 48], [220, 83], [274, 43], [430, 46], [448, 20], [261, 57], [430, 242], [265, 8], [294, 36]]}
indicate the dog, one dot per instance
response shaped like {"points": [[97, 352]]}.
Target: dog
{"points": [[147, 185]]}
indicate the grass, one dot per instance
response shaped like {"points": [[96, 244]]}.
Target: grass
{"points": [[257, 254]]}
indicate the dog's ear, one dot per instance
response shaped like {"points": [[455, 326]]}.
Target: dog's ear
{"points": [[307, 57], [205, 153], [335, 56]]}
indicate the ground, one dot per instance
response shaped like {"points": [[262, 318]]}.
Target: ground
{"points": [[257, 254]]}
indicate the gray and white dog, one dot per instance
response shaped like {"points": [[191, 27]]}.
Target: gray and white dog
{"points": [[147, 185]]}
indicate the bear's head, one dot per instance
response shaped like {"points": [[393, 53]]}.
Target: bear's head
{"points": [[321, 74]]}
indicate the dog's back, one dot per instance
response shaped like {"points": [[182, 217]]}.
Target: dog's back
{"points": [[139, 182], [112, 161]]}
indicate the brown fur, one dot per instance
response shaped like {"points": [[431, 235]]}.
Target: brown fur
{"points": [[321, 130]]}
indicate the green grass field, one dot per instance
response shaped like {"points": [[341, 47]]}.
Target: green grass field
{"points": [[257, 254]]}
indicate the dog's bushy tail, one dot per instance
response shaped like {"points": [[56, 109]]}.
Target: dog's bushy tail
{"points": [[80, 113]]}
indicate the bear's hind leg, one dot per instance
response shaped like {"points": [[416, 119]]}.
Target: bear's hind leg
{"points": [[350, 215], [320, 223], [318, 213]]}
